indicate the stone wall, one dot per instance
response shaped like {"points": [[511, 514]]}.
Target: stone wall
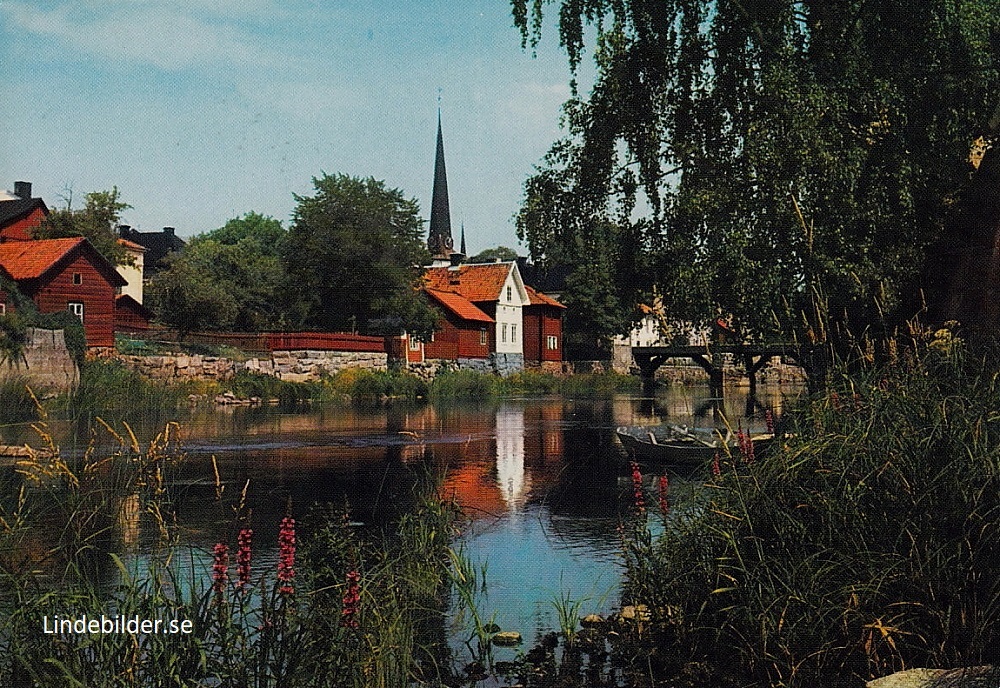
{"points": [[293, 366], [46, 365], [507, 364]]}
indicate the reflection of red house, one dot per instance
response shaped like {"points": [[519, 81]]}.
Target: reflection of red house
{"points": [[66, 274], [130, 315], [543, 330], [20, 214]]}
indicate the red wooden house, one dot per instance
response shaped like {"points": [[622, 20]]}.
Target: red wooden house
{"points": [[20, 213], [130, 315], [464, 328], [66, 274], [543, 339]]}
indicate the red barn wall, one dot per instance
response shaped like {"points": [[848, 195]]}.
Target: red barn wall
{"points": [[22, 229], [94, 291]]}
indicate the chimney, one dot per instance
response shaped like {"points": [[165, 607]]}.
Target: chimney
{"points": [[22, 190], [124, 231], [169, 231], [456, 259]]}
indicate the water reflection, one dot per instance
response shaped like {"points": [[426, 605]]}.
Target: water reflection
{"points": [[543, 483]]}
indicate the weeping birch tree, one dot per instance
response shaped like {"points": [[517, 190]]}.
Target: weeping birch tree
{"points": [[783, 163]]}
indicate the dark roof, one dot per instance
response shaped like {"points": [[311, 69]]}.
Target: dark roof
{"points": [[549, 279], [157, 244], [12, 211], [124, 301]]}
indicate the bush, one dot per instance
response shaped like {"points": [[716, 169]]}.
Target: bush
{"points": [[867, 544]]}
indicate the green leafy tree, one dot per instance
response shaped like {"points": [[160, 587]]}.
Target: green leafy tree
{"points": [[353, 258], [98, 220], [187, 298], [501, 253], [241, 259], [785, 162]]}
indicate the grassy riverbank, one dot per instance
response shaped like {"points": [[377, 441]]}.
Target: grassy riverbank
{"points": [[110, 388], [339, 608], [866, 544]]}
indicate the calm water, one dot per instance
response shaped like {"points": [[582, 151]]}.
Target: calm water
{"points": [[543, 482]]}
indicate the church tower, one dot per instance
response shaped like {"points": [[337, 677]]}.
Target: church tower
{"points": [[439, 239]]}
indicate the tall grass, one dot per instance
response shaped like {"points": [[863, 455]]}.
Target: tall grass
{"points": [[866, 544], [62, 524], [108, 386]]}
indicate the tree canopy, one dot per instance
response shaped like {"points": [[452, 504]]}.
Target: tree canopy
{"points": [[98, 220], [353, 258], [501, 253], [784, 162], [241, 268]]}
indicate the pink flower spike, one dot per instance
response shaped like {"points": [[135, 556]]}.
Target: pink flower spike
{"points": [[244, 542], [286, 555], [220, 567]]}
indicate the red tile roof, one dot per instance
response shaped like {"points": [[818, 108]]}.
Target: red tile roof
{"points": [[27, 260], [459, 305], [537, 298], [131, 245], [476, 282], [31, 259]]}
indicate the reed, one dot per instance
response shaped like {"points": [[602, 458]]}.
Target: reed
{"points": [[865, 544], [340, 608]]}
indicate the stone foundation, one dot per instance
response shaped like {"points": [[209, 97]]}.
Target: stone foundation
{"points": [[46, 366], [293, 366], [506, 364]]}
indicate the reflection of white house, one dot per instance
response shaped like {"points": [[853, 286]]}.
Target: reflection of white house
{"points": [[511, 475]]}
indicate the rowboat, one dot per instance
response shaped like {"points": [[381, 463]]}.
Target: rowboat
{"points": [[672, 444]]}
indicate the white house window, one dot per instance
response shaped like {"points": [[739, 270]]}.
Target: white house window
{"points": [[76, 308], [482, 337], [503, 336], [414, 344], [552, 342], [509, 294], [77, 278], [513, 333]]}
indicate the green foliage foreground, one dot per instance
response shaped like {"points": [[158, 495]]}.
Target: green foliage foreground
{"points": [[867, 544], [338, 609]]}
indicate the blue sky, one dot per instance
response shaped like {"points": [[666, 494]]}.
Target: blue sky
{"points": [[203, 110]]}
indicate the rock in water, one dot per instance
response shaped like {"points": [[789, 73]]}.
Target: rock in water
{"points": [[969, 677]]}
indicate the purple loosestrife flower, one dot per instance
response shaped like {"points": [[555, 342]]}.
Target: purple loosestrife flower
{"points": [[640, 502], [769, 421], [286, 555], [664, 490], [351, 600], [220, 568], [244, 542], [716, 467]]}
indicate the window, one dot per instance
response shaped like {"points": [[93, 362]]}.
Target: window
{"points": [[76, 308], [414, 344], [482, 337], [509, 294], [503, 336], [3, 309], [552, 342], [77, 278], [513, 333]]}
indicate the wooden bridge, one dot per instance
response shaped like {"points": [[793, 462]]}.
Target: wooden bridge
{"points": [[709, 357]]}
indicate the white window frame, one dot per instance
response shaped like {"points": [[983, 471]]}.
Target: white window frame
{"points": [[510, 294], [414, 343], [513, 332], [483, 339], [552, 342], [503, 337], [76, 308]]}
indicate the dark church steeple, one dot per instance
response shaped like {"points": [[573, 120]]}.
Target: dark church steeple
{"points": [[439, 239]]}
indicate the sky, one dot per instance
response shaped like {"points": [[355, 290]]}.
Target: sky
{"points": [[203, 110]]}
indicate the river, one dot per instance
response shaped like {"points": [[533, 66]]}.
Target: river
{"points": [[542, 482]]}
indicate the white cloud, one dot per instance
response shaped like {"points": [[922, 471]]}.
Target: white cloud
{"points": [[168, 36]]}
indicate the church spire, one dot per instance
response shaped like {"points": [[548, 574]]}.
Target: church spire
{"points": [[439, 239]]}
